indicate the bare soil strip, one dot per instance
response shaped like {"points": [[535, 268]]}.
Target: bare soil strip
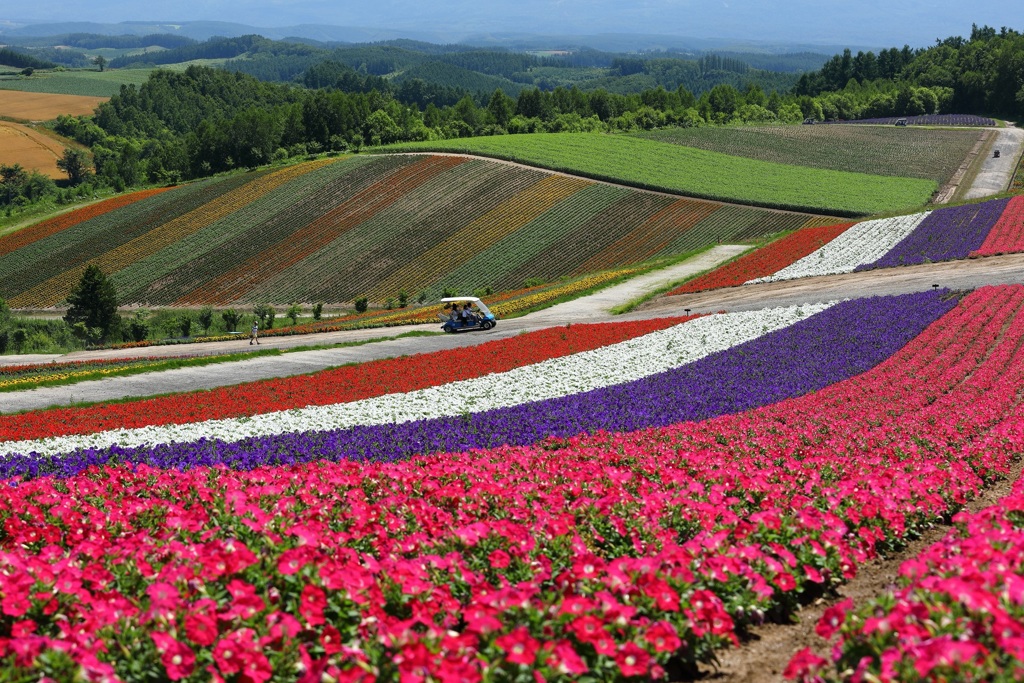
{"points": [[34, 151]]}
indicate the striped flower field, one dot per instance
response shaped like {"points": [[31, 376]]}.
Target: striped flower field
{"points": [[608, 501], [982, 229], [336, 230]]}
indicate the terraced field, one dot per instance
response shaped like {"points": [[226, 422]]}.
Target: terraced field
{"points": [[699, 173], [929, 153], [339, 229]]}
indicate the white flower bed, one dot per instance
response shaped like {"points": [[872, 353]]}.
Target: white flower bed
{"points": [[606, 366], [865, 242]]}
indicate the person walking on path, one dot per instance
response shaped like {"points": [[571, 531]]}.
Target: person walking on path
{"points": [[254, 333]]}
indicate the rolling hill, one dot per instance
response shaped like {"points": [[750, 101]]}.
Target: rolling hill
{"points": [[334, 230]]}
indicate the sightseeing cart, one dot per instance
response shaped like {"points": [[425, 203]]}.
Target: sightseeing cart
{"points": [[464, 313]]}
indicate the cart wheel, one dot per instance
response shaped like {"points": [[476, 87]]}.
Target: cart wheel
{"points": [[487, 324]]}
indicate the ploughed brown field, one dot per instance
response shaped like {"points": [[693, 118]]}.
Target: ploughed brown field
{"points": [[20, 144], [40, 106]]}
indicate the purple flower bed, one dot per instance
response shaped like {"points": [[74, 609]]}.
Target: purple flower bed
{"points": [[930, 120], [840, 342], [945, 235]]}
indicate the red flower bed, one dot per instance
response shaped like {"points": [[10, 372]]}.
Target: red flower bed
{"points": [[348, 383], [767, 260], [1007, 235], [613, 555]]}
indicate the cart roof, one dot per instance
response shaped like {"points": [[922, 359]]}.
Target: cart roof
{"points": [[449, 299]]}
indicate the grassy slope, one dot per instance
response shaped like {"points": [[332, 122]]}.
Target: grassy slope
{"points": [[930, 153], [699, 173], [86, 82]]}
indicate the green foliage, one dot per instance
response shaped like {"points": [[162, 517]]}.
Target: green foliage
{"points": [[318, 310], [17, 58], [138, 329], [265, 314], [18, 339], [75, 163], [93, 305], [185, 324], [362, 304], [403, 299], [294, 311], [205, 318], [231, 319]]}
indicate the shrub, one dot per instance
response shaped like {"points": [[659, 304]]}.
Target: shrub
{"points": [[318, 310], [362, 304], [403, 299], [138, 330], [265, 313], [206, 318], [231, 318], [185, 324], [294, 311]]}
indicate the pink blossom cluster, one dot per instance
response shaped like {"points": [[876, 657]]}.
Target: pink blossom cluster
{"points": [[610, 556], [956, 612]]}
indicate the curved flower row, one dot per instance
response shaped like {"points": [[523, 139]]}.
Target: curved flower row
{"points": [[863, 243], [839, 342], [608, 556], [581, 372], [946, 234], [338, 385], [1008, 233], [766, 260]]}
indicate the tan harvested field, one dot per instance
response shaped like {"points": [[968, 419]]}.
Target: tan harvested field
{"points": [[19, 144], [40, 106]]}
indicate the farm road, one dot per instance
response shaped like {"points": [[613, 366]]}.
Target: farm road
{"points": [[995, 174]]}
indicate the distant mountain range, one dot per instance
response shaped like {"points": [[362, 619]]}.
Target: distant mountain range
{"points": [[783, 25], [608, 42]]}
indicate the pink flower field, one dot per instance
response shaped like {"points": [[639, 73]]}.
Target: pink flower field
{"points": [[561, 541]]}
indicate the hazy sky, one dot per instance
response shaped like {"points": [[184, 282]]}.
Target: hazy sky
{"points": [[879, 23]]}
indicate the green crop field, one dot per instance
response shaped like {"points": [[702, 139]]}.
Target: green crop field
{"points": [[334, 230], [929, 153], [86, 82], [699, 173]]}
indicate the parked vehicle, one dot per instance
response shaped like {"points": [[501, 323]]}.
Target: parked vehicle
{"points": [[901, 122], [464, 313]]}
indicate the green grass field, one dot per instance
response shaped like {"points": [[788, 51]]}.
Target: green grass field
{"points": [[929, 153], [699, 173], [74, 82]]}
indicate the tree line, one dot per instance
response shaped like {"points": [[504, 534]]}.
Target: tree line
{"points": [[982, 74]]}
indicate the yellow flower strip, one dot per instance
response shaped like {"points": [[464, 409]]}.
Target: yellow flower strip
{"points": [[55, 289], [470, 240]]}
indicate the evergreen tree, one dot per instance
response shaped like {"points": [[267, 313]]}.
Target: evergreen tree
{"points": [[92, 309]]}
